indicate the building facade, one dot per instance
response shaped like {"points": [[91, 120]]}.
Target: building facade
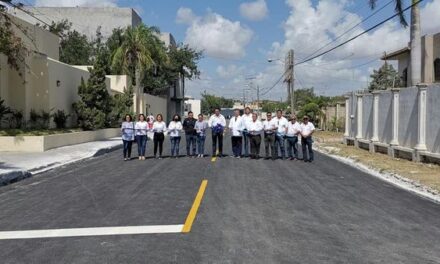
{"points": [[85, 20], [43, 83], [430, 60]]}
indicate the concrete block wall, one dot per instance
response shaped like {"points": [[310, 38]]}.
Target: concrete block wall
{"points": [[406, 121]]}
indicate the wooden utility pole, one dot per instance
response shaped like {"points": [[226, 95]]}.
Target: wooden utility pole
{"points": [[289, 79]]}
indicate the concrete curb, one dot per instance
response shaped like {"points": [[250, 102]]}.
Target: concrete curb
{"points": [[392, 178], [18, 175]]}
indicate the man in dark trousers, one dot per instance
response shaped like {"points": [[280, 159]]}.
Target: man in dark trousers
{"points": [[190, 134]]}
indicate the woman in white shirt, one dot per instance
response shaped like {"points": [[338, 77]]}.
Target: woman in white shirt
{"points": [[141, 128], [159, 129], [174, 129]]}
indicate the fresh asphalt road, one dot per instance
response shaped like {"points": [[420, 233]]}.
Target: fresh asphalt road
{"points": [[253, 211]]}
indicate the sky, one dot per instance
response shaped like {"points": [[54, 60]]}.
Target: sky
{"points": [[238, 37]]}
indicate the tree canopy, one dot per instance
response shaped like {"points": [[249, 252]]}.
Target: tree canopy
{"points": [[210, 102], [384, 78]]}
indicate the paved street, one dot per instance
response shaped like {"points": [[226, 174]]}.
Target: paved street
{"points": [[251, 212]]}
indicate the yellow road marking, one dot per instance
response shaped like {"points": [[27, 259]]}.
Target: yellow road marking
{"points": [[214, 159], [195, 207]]}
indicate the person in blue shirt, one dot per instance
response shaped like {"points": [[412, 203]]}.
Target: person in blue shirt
{"points": [[127, 129]]}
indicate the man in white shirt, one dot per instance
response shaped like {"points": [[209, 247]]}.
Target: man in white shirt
{"points": [[255, 127], [236, 127], [307, 129], [247, 118], [269, 136], [281, 124], [292, 131], [217, 123]]}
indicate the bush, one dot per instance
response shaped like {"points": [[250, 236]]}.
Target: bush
{"points": [[34, 118], [16, 119], [60, 118], [40, 120]]}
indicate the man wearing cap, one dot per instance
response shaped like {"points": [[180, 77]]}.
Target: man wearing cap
{"points": [[307, 129], [269, 136], [292, 131]]}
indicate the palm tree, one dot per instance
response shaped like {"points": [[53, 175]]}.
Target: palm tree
{"points": [[133, 55], [415, 38]]}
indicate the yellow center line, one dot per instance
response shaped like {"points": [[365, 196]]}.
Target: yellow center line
{"points": [[214, 159], [195, 207]]}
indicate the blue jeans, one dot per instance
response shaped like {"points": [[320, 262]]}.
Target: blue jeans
{"points": [[142, 144], [201, 145], [307, 145], [279, 143], [190, 142], [175, 142], [127, 148], [246, 143], [291, 144]]}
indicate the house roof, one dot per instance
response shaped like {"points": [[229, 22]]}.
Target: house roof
{"points": [[393, 55]]}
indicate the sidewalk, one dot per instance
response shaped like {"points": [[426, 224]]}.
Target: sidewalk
{"points": [[16, 166]]}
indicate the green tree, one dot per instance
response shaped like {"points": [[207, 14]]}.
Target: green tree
{"points": [[271, 106], [312, 110], [210, 102], [134, 53], [122, 105], [75, 49], [183, 62], [59, 28], [415, 39], [95, 105], [10, 44], [385, 77]]}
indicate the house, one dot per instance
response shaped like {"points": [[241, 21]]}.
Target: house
{"points": [[430, 46], [86, 20], [43, 83]]}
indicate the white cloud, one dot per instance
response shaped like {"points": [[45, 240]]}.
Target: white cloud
{"points": [[69, 3], [230, 71], [185, 16], [216, 35], [254, 11], [430, 19]]}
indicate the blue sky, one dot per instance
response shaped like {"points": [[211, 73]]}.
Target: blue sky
{"points": [[239, 36]]}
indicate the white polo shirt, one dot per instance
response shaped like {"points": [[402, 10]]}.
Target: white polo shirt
{"points": [[269, 126], [246, 119], [293, 129], [236, 125], [255, 128], [215, 120], [281, 124], [306, 130]]}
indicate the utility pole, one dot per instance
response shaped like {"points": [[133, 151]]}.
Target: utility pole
{"points": [[289, 79], [258, 100]]}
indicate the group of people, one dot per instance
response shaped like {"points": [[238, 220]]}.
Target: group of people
{"points": [[280, 135]]}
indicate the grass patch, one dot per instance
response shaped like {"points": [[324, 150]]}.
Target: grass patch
{"points": [[328, 136], [36, 132]]}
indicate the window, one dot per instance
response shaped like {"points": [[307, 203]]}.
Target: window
{"points": [[437, 70], [404, 77]]}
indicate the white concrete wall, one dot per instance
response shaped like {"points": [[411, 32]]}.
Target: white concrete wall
{"points": [[155, 105], [408, 121], [193, 105], [117, 83], [43, 143], [85, 20]]}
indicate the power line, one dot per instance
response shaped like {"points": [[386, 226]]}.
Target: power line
{"points": [[275, 84], [358, 35], [350, 29]]}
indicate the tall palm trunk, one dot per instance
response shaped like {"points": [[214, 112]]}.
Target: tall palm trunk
{"points": [[416, 45]]}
